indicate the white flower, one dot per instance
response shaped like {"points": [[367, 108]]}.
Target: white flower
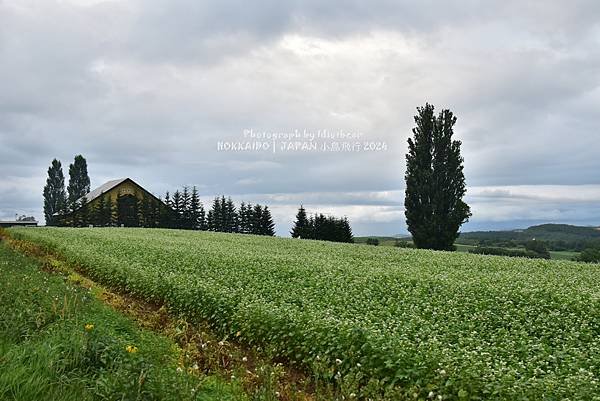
{"points": [[430, 395], [244, 359], [352, 395], [338, 361], [179, 370]]}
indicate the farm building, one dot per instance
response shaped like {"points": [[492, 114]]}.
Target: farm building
{"points": [[18, 223], [121, 202], [118, 188]]}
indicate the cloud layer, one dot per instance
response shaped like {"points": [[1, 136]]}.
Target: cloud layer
{"points": [[147, 89]]}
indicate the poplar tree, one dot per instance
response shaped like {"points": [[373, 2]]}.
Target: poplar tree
{"points": [[435, 182], [79, 182], [55, 201]]}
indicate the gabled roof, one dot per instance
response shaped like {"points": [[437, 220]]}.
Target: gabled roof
{"points": [[107, 186]]}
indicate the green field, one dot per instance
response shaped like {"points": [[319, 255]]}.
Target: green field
{"points": [[391, 241], [419, 323], [57, 342], [383, 241], [563, 255]]}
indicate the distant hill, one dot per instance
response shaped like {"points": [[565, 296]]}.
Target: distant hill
{"points": [[559, 236]]}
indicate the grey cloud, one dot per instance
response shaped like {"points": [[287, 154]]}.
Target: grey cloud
{"points": [[147, 88]]}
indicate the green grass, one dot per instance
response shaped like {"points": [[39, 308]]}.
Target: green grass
{"points": [[563, 255], [373, 319], [47, 354]]}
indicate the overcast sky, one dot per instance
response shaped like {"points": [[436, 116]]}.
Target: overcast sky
{"points": [[160, 91]]}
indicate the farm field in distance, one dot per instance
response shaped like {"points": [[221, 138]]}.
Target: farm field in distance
{"points": [[420, 324], [391, 241]]}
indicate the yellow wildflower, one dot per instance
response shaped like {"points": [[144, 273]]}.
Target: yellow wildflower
{"points": [[89, 327], [132, 349]]}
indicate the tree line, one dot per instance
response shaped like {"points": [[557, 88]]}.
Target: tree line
{"points": [[223, 216], [321, 227], [181, 209]]}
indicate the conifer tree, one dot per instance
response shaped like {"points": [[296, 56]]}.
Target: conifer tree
{"points": [[55, 201], [79, 182], [202, 223], [111, 213], [186, 212], [144, 212], [83, 212], [256, 219], [177, 207], [210, 221], [300, 229], [230, 217], [347, 235], [195, 207], [104, 211], [435, 182], [217, 214], [243, 219], [267, 224]]}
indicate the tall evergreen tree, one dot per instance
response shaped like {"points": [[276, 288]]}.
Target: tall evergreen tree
{"points": [[195, 209], [202, 220], [83, 213], [210, 221], [216, 215], [230, 217], [98, 212], [55, 201], [300, 229], [111, 212], [145, 212], [186, 211], [168, 199], [435, 182], [79, 182], [177, 206], [267, 224], [347, 235], [256, 219], [243, 219]]}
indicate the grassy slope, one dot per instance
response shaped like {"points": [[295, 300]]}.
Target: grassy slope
{"points": [[47, 354], [451, 323]]}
